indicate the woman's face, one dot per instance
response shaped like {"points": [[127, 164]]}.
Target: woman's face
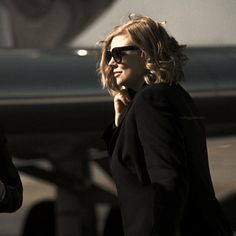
{"points": [[131, 70]]}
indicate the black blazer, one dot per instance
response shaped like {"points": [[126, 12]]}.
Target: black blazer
{"points": [[10, 177], [160, 167]]}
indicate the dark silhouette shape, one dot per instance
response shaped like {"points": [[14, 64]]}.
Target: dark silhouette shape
{"points": [[228, 204], [113, 225], [40, 220]]}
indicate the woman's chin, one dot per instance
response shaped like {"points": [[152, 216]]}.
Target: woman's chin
{"points": [[120, 82]]}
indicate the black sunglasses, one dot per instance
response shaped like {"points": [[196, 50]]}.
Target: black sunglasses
{"points": [[116, 53]]}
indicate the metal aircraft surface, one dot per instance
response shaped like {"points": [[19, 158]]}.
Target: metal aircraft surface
{"points": [[52, 108]]}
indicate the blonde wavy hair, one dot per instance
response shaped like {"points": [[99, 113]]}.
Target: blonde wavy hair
{"points": [[163, 55]]}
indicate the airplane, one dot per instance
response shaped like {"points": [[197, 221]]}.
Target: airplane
{"points": [[53, 109]]}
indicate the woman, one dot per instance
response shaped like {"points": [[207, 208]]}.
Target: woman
{"points": [[157, 141]]}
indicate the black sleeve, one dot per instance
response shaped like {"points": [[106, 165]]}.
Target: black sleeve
{"points": [[109, 136], [11, 179], [164, 152]]}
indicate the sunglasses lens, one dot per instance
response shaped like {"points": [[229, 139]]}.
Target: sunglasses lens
{"points": [[116, 55], [108, 56]]}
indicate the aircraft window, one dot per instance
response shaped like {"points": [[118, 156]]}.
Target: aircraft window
{"points": [[224, 67], [197, 76], [211, 69], [43, 74]]}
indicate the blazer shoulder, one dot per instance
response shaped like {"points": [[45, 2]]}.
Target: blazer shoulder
{"points": [[156, 93]]}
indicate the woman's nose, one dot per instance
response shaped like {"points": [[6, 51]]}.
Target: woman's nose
{"points": [[112, 62]]}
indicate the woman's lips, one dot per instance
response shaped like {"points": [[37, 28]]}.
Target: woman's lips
{"points": [[116, 73]]}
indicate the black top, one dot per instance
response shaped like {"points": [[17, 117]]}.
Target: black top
{"points": [[160, 167]]}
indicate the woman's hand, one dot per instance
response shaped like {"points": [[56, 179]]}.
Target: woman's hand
{"points": [[121, 101]]}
